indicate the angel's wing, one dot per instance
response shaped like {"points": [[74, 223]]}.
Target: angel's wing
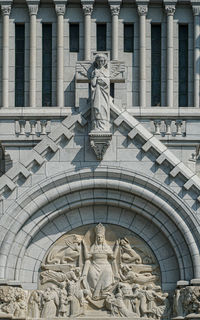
{"points": [[116, 68], [82, 71]]}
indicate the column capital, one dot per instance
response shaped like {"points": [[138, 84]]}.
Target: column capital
{"points": [[60, 9], [115, 9], [33, 7], [196, 10], [170, 9], [87, 8], [142, 9], [5, 9]]}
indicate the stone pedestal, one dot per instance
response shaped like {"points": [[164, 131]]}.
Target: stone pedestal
{"points": [[100, 141]]}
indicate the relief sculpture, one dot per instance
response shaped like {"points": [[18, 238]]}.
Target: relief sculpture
{"points": [[101, 271], [187, 302]]}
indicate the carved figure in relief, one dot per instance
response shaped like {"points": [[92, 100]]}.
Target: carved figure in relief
{"points": [[116, 305], [69, 253], [100, 268], [99, 275], [100, 94], [50, 302], [178, 300], [64, 301], [129, 276], [34, 304], [128, 255], [192, 300], [155, 301], [13, 301]]}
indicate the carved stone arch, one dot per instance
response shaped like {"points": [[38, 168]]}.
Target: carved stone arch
{"points": [[60, 195]]}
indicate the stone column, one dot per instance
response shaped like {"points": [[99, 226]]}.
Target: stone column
{"points": [[142, 11], [60, 11], [170, 10], [87, 10], [196, 13], [115, 9], [33, 10], [6, 9]]}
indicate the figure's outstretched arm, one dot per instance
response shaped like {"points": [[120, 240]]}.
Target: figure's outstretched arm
{"points": [[116, 249], [86, 253]]}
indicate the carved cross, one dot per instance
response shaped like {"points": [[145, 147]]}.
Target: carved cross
{"points": [[116, 69], [100, 135]]}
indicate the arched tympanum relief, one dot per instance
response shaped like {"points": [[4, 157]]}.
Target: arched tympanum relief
{"points": [[99, 270]]}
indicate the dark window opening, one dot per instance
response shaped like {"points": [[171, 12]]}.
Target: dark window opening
{"points": [[112, 90], [47, 65], [101, 37], [128, 37], [183, 65], [74, 37], [155, 65], [19, 64]]}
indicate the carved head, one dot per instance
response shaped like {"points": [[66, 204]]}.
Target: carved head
{"points": [[76, 239], [100, 233], [77, 271], [100, 61]]}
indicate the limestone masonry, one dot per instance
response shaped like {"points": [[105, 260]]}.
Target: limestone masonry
{"points": [[100, 159]]}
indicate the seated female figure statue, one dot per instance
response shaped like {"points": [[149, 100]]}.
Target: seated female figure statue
{"points": [[100, 269]]}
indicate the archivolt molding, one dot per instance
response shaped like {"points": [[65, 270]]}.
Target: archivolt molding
{"points": [[107, 186]]}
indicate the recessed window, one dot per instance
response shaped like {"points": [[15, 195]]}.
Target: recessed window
{"points": [[74, 37], [101, 36], [183, 65], [19, 64], [46, 64], [155, 65], [128, 37]]}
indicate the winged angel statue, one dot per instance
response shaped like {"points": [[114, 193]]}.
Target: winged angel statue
{"points": [[100, 74]]}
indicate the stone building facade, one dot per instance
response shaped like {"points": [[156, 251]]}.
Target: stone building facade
{"points": [[100, 155]]}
